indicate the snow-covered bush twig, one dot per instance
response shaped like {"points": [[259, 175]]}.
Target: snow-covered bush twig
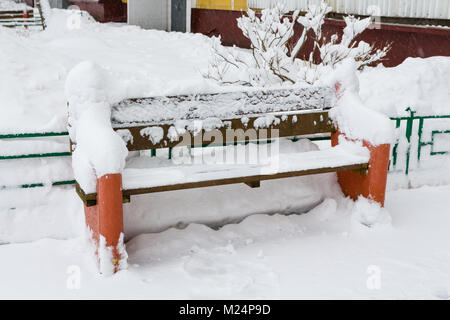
{"points": [[274, 53], [332, 52], [269, 36]]}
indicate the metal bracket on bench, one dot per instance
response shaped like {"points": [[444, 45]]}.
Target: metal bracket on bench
{"points": [[87, 199], [126, 198], [253, 184], [90, 200], [364, 169]]}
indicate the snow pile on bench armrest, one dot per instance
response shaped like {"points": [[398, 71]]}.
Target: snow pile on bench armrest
{"points": [[349, 113], [99, 150]]}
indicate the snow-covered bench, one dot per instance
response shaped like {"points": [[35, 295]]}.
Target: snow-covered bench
{"points": [[225, 118], [26, 18], [153, 123]]}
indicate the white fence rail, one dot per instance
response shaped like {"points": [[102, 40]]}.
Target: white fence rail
{"points": [[432, 9]]}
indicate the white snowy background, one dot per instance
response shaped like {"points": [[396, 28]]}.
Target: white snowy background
{"points": [[176, 246]]}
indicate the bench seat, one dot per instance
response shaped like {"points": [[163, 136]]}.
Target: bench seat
{"points": [[176, 177]]}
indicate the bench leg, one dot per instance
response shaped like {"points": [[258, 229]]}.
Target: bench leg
{"points": [[105, 221], [371, 185]]}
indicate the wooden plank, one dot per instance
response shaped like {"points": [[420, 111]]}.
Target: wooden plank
{"points": [[88, 199], [15, 16], [234, 130], [16, 12], [225, 105], [91, 199]]}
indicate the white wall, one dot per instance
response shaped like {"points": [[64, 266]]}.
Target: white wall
{"points": [[434, 9], [149, 14]]}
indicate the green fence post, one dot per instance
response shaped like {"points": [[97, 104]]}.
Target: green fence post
{"points": [[409, 126], [394, 150]]}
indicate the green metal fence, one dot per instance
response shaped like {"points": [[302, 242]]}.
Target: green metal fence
{"points": [[411, 120], [36, 155]]}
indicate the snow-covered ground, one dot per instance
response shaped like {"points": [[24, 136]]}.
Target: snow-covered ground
{"points": [[12, 5], [325, 253]]}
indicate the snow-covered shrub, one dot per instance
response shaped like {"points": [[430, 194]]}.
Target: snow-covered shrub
{"points": [[274, 53], [333, 52]]}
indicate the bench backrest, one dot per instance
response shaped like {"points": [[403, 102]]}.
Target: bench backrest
{"points": [[152, 123]]}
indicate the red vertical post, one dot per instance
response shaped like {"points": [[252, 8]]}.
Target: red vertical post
{"points": [[371, 185], [25, 16], [106, 218]]}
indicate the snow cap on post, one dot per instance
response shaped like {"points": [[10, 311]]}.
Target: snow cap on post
{"points": [[349, 113], [99, 149]]}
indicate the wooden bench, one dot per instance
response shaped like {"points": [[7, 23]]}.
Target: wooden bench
{"points": [[28, 18], [150, 123]]}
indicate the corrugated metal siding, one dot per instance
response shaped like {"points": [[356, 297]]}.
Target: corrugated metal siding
{"points": [[432, 9]]}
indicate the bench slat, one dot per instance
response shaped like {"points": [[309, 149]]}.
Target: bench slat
{"points": [[230, 105], [15, 16], [151, 180], [290, 124], [6, 12]]}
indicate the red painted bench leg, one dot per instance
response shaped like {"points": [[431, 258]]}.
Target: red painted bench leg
{"points": [[106, 218], [371, 185]]}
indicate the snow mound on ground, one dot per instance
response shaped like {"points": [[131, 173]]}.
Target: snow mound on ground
{"points": [[320, 261], [211, 257], [326, 210], [336, 215], [421, 84], [59, 21], [369, 214], [37, 213]]}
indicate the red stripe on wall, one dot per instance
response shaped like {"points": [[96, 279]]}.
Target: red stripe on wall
{"points": [[407, 41]]}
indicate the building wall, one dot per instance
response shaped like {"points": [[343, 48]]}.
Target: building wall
{"points": [[432, 9], [149, 14], [104, 10], [61, 4], [220, 4], [407, 41]]}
